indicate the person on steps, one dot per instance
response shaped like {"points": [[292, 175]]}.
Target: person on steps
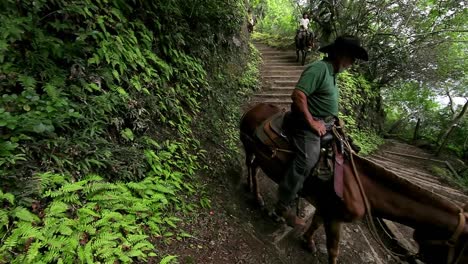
{"points": [[313, 112]]}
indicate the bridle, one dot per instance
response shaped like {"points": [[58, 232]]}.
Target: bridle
{"points": [[451, 243]]}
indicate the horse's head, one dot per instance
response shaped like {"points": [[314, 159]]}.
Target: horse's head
{"points": [[441, 246]]}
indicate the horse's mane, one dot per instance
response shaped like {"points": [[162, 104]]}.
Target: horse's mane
{"points": [[399, 184]]}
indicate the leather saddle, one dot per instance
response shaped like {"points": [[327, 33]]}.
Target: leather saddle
{"points": [[333, 164], [273, 135]]}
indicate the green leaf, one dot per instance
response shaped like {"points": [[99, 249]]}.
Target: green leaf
{"points": [[127, 134], [23, 214], [39, 128], [168, 259]]}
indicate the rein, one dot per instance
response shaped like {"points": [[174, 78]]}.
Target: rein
{"points": [[451, 242]]}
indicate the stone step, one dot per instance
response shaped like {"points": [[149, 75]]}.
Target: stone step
{"points": [[284, 68], [274, 94], [280, 64], [275, 72], [275, 87], [280, 90], [276, 53], [273, 100], [271, 97], [290, 60], [286, 83], [280, 77]]}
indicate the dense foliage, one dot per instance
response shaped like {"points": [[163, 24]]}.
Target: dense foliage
{"points": [[126, 90]]}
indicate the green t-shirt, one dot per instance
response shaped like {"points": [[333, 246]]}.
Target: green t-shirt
{"points": [[319, 85]]}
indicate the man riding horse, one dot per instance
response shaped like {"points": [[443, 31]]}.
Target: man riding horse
{"points": [[304, 39], [313, 112]]}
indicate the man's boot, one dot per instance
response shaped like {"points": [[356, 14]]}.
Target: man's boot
{"points": [[284, 213]]}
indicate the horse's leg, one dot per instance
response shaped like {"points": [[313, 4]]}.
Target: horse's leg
{"points": [[317, 221], [297, 54], [249, 156], [304, 54], [332, 231], [256, 189]]}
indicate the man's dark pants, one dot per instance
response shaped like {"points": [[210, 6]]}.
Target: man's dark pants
{"points": [[307, 147]]}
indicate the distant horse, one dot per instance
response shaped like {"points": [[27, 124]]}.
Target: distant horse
{"points": [[304, 41], [440, 226]]}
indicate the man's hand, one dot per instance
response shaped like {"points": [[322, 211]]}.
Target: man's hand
{"points": [[318, 127], [300, 100]]}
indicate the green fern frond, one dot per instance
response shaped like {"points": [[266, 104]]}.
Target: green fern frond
{"points": [[87, 212], [65, 230], [72, 198], [80, 251], [136, 253], [104, 240], [57, 209], [4, 220], [108, 216], [72, 187], [167, 259], [88, 253], [26, 230], [122, 257], [51, 256], [136, 238], [49, 179], [33, 251], [10, 198], [143, 245], [99, 186], [11, 241], [93, 178], [24, 215]]}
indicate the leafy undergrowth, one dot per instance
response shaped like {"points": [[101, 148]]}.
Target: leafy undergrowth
{"points": [[93, 220], [105, 111]]}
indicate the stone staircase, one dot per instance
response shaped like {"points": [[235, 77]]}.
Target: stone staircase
{"points": [[280, 73]]}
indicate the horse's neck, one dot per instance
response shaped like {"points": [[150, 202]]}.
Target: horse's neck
{"points": [[398, 200]]}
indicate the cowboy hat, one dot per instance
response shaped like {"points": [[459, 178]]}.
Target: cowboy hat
{"points": [[348, 43]]}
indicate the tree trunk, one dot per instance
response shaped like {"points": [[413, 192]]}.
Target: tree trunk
{"points": [[454, 122], [442, 140], [416, 130], [397, 124], [445, 140]]}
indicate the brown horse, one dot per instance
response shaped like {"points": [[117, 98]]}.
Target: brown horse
{"points": [[440, 228], [303, 41]]}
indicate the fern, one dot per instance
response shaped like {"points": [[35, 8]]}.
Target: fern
{"points": [[24, 215], [57, 209], [168, 259], [33, 252]]}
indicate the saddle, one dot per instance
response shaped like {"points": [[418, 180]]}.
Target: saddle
{"points": [[333, 164]]}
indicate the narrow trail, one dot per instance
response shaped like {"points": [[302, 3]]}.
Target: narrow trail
{"points": [[280, 73]]}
